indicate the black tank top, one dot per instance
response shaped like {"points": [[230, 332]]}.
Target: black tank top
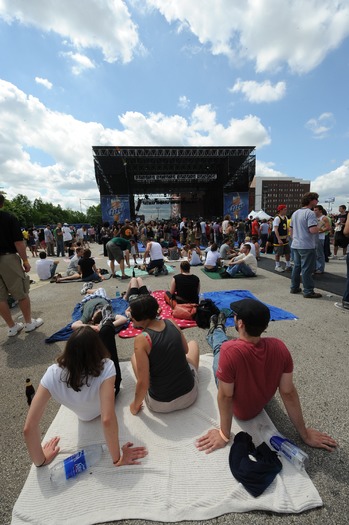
{"points": [[282, 229], [170, 374]]}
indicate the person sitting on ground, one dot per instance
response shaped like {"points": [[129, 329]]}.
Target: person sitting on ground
{"points": [[249, 370], [116, 247], [45, 267], [185, 287], [156, 264], [185, 250], [194, 255], [72, 273], [213, 259], [245, 264], [164, 363], [83, 380], [173, 252], [87, 268], [255, 249], [226, 250]]}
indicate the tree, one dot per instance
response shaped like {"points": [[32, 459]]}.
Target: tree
{"points": [[94, 214]]}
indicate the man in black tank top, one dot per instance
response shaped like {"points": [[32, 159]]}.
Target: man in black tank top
{"points": [[281, 244]]}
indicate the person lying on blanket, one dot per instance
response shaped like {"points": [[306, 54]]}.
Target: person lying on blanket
{"points": [[249, 370], [164, 363], [83, 381], [97, 312]]}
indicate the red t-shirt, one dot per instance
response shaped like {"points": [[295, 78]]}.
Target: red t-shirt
{"points": [[255, 228], [255, 370]]}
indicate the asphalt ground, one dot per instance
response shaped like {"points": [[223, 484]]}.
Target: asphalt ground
{"points": [[318, 341]]}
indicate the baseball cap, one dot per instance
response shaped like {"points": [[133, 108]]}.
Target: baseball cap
{"points": [[251, 311], [65, 224], [281, 207]]}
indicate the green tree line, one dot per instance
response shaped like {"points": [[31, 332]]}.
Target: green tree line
{"points": [[39, 213]]}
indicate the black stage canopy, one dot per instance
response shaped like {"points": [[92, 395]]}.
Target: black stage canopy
{"points": [[211, 171]]}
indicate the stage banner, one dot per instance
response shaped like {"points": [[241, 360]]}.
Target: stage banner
{"points": [[236, 205], [115, 208]]}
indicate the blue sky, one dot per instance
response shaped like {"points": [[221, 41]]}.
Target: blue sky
{"points": [[262, 73]]}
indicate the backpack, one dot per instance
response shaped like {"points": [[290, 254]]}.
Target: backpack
{"points": [[205, 309]]}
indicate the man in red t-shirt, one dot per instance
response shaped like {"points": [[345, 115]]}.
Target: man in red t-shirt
{"points": [[248, 371], [255, 228]]}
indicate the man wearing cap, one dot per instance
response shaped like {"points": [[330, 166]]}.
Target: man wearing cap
{"points": [[67, 236], [249, 370], [280, 234]]}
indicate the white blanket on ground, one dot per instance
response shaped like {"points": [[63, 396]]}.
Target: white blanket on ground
{"points": [[175, 481]]}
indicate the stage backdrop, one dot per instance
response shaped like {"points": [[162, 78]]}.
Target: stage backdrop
{"points": [[115, 208], [236, 205]]}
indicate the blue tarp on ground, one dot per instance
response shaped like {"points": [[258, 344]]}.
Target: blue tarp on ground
{"points": [[224, 298]]}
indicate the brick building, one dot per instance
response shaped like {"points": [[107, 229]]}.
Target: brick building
{"points": [[267, 193]]}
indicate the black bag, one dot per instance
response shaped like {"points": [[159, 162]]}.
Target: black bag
{"points": [[205, 309]]}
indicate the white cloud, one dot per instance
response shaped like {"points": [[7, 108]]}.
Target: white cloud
{"points": [[202, 129], [26, 125], [183, 102], [81, 62], [266, 169], [321, 126], [333, 184], [269, 32], [260, 91], [44, 82], [94, 24]]}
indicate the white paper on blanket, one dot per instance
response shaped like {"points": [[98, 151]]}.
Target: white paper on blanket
{"points": [[175, 481]]}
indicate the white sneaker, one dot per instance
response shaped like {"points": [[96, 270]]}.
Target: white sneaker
{"points": [[279, 269], [14, 330], [29, 327], [341, 306], [87, 286]]}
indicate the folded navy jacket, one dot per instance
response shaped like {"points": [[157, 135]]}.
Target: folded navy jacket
{"points": [[257, 475]]}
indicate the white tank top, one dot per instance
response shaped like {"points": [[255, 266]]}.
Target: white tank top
{"points": [[156, 251]]}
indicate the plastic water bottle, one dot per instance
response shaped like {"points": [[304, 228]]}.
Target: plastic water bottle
{"points": [[287, 449], [29, 391], [75, 464], [117, 293]]}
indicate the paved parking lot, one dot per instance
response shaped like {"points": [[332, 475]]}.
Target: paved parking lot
{"points": [[318, 341]]}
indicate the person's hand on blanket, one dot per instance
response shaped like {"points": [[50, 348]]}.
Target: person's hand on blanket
{"points": [[135, 409], [130, 454], [315, 438], [51, 449], [210, 441]]}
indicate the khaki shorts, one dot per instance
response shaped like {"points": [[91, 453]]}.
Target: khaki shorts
{"points": [[176, 404], [13, 279], [114, 252]]}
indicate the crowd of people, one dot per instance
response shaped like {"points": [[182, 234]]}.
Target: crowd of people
{"points": [[248, 369]]}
